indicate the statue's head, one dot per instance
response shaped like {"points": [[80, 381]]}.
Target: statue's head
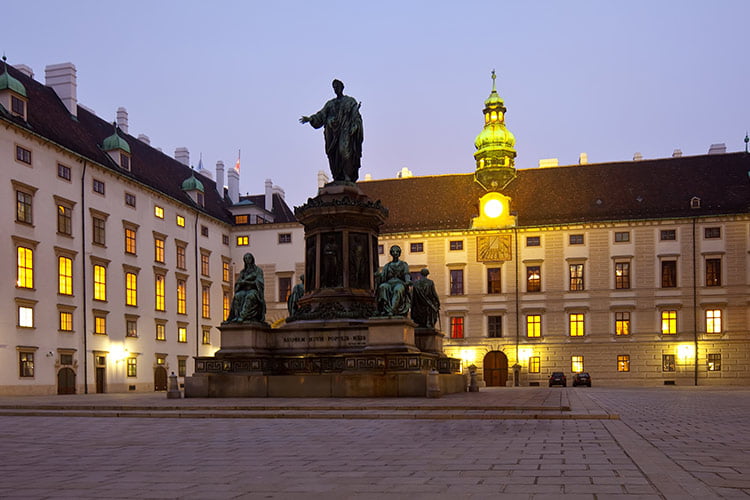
{"points": [[338, 87], [395, 251], [424, 272], [249, 259]]}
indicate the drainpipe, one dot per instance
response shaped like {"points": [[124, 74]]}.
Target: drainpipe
{"points": [[695, 310], [83, 278], [516, 382], [198, 295]]}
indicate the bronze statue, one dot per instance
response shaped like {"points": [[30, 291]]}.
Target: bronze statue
{"points": [[292, 303], [249, 303], [392, 284], [425, 304], [343, 133]]}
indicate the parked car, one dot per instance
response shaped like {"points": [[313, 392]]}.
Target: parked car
{"points": [[582, 378], [558, 378]]}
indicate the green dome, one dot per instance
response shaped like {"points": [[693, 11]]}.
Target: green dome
{"points": [[114, 141], [8, 82], [192, 184], [495, 136]]}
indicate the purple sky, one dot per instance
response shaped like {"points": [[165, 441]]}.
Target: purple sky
{"points": [[605, 78]]}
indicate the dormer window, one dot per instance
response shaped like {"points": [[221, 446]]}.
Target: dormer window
{"points": [[18, 106], [695, 202], [201, 200], [124, 161]]}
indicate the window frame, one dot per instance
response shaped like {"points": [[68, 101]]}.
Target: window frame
{"points": [[713, 362], [622, 280], [495, 331], [576, 324], [64, 275], [622, 323], [24, 206], [576, 277], [23, 155], [714, 321], [494, 283], [577, 361], [668, 321], [456, 282], [457, 327], [669, 273], [533, 326], [98, 186], [713, 271], [623, 363], [535, 280]]}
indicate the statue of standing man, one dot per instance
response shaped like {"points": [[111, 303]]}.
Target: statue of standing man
{"points": [[343, 133]]}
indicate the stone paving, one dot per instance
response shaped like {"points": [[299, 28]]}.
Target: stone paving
{"points": [[666, 443]]}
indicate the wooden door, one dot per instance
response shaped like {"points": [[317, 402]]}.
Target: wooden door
{"points": [[495, 369], [100, 379], [160, 378], [66, 381]]}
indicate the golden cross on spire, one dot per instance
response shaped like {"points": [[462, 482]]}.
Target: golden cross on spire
{"points": [[493, 79]]}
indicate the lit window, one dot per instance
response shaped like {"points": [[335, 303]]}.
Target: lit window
{"points": [[129, 240], [667, 363], [66, 321], [63, 172], [533, 325], [23, 155], [182, 334], [206, 338], [181, 221], [100, 325], [457, 327], [285, 238], [64, 275], [668, 273], [98, 230], [26, 364], [225, 271], [180, 257], [712, 232], [100, 282], [533, 279], [241, 219], [456, 245], [576, 322], [668, 235], [226, 304], [25, 268], [204, 264], [131, 328], [622, 236], [576, 277], [243, 241], [713, 272], [64, 220], [713, 362], [576, 239], [494, 326], [26, 316], [576, 364], [131, 289], [159, 292], [534, 364], [159, 249], [493, 280], [132, 367], [416, 247], [181, 302], [158, 212], [622, 323], [285, 288], [622, 275], [23, 207], [533, 241], [668, 322], [206, 301], [161, 333], [713, 321], [457, 281], [181, 367], [623, 363], [98, 186], [130, 200]]}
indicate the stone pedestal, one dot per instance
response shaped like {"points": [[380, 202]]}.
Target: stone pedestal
{"points": [[429, 340]]}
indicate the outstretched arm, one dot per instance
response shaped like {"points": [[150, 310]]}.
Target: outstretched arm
{"points": [[304, 119]]}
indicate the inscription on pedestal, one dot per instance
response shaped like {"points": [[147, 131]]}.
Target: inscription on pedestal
{"points": [[320, 341]]}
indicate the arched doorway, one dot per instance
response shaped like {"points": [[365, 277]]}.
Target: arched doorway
{"points": [[66, 381], [160, 378], [495, 369]]}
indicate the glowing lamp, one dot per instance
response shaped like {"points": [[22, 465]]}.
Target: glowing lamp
{"points": [[524, 354], [118, 352], [468, 356], [493, 208], [686, 351]]}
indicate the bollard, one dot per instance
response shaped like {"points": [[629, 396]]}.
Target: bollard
{"points": [[174, 388], [473, 386], [433, 385]]}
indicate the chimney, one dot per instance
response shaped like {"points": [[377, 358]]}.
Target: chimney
{"points": [[144, 139], [404, 173], [26, 70], [233, 183], [122, 119], [322, 179], [717, 149], [548, 162], [368, 177], [182, 155], [637, 156], [677, 153], [583, 158], [269, 196], [220, 177], [62, 79], [279, 191]]}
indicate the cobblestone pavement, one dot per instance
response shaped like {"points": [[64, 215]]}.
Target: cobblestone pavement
{"points": [[668, 443]]}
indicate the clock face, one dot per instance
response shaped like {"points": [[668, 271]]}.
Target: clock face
{"points": [[494, 248]]}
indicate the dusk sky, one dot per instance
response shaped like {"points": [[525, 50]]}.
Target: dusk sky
{"points": [[608, 78]]}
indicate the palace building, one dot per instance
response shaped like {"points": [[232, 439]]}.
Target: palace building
{"points": [[636, 272]]}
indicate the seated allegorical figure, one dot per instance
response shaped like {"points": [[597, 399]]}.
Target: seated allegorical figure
{"points": [[249, 303], [392, 286]]}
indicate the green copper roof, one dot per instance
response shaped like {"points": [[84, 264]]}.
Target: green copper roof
{"points": [[8, 82], [114, 141], [192, 184]]}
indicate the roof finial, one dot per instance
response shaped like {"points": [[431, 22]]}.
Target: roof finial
{"points": [[493, 79], [747, 139]]}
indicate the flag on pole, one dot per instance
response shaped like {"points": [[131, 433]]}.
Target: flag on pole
{"points": [[237, 165]]}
